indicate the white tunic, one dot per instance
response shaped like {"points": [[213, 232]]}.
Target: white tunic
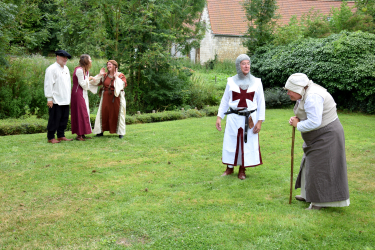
{"points": [[235, 150], [57, 84]]}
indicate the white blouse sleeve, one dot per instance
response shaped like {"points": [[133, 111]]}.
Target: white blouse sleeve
{"points": [[82, 81], [314, 112], [224, 104], [93, 84], [119, 85]]}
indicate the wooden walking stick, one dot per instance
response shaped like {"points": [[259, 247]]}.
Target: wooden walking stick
{"points": [[291, 165]]}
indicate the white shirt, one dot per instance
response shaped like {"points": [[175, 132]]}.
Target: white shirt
{"points": [[57, 84], [314, 111]]}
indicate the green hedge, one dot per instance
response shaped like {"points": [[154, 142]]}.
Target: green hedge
{"points": [[32, 125], [277, 98], [343, 63], [29, 125]]}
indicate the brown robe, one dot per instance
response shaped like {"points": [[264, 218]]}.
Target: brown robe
{"points": [[110, 105]]}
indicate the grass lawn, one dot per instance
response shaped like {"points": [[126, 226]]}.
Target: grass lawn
{"points": [[160, 188]]}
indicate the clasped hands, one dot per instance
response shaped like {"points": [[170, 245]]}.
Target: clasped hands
{"points": [[293, 121]]}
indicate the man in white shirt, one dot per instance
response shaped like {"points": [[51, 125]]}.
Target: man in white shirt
{"points": [[57, 88]]}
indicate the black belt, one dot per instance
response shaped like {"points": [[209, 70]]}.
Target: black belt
{"points": [[242, 112]]}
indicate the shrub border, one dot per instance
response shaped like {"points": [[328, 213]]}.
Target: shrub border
{"points": [[32, 125]]}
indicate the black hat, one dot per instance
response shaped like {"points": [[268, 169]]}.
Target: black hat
{"points": [[63, 53]]}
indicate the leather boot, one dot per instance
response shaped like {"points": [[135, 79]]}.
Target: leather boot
{"points": [[64, 139], [53, 140], [80, 138], [241, 173], [228, 171]]}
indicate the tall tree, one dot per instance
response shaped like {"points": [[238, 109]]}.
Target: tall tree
{"points": [[7, 18], [81, 27], [366, 7], [262, 16], [33, 28], [136, 33]]}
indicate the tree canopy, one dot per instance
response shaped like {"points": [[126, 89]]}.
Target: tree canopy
{"points": [[138, 34]]}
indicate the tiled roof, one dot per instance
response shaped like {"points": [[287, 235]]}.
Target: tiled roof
{"points": [[228, 17], [288, 8]]}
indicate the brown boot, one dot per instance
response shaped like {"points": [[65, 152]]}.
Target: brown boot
{"points": [[228, 171], [80, 138], [241, 173], [53, 140], [64, 139]]}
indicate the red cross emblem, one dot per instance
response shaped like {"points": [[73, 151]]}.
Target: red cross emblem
{"points": [[242, 96]]}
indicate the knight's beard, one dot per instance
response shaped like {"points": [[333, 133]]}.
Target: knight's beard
{"points": [[244, 86], [241, 75]]}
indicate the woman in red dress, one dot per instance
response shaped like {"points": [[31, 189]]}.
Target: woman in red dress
{"points": [[80, 112], [112, 107]]}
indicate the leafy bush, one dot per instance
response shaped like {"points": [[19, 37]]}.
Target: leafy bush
{"points": [[166, 89], [167, 116], [276, 98], [144, 118], [210, 64], [316, 25], [202, 93], [210, 110], [194, 113], [343, 63], [130, 119], [21, 90], [29, 125]]}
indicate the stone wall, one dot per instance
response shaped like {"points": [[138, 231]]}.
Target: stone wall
{"points": [[207, 45], [225, 47], [228, 48]]}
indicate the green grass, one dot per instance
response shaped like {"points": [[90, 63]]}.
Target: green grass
{"points": [[160, 188]]}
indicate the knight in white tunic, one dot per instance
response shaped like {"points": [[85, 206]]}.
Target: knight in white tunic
{"points": [[244, 98]]}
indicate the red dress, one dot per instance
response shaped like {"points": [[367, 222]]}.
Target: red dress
{"points": [[80, 118], [110, 105]]}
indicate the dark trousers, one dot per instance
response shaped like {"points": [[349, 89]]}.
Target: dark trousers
{"points": [[58, 119]]}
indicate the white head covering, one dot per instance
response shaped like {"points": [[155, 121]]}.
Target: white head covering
{"points": [[239, 59], [297, 83]]}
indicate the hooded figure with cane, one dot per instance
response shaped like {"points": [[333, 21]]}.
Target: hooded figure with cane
{"points": [[322, 176]]}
